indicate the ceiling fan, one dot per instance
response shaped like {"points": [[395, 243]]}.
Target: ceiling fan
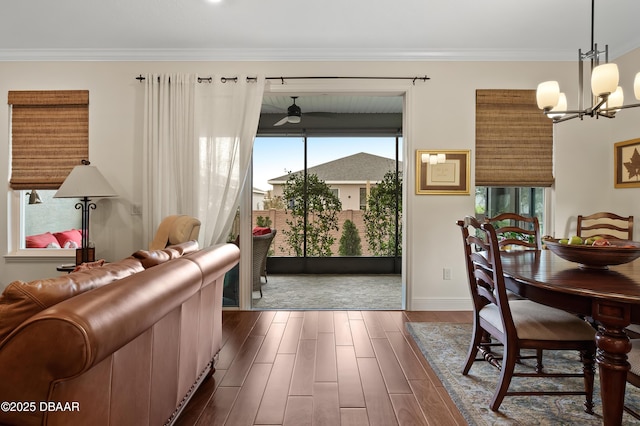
{"points": [[294, 113]]}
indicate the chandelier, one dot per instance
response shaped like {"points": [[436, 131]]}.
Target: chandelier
{"points": [[607, 97]]}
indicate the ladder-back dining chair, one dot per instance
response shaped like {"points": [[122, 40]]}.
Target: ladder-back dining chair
{"points": [[517, 230], [605, 224], [517, 324]]}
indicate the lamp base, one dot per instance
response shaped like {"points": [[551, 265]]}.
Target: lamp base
{"points": [[91, 255]]}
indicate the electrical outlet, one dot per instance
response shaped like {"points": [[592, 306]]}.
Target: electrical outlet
{"points": [[136, 210], [446, 273]]}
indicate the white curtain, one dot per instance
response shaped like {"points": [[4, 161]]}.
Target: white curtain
{"points": [[168, 154], [198, 139], [227, 121]]}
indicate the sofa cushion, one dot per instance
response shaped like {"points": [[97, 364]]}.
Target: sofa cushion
{"points": [[21, 300], [89, 265], [186, 247], [150, 258], [41, 240]]}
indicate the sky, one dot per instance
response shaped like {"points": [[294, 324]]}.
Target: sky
{"points": [[275, 156]]}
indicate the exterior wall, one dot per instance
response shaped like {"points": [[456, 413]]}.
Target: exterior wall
{"points": [[349, 194]]}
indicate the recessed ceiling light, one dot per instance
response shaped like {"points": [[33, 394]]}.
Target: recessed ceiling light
{"points": [[214, 1]]}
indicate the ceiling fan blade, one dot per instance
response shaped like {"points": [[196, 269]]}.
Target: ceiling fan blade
{"points": [[281, 122]]}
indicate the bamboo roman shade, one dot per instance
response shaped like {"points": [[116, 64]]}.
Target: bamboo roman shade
{"points": [[49, 136], [514, 140]]}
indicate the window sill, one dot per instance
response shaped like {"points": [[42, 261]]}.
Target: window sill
{"points": [[40, 254]]}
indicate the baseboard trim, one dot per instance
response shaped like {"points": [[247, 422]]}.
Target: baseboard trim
{"points": [[440, 304]]}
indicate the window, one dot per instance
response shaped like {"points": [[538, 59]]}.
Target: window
{"points": [[363, 198], [525, 201], [49, 136]]}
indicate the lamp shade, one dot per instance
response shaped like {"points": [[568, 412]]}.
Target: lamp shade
{"points": [[604, 79], [547, 94], [615, 100], [85, 181], [561, 106], [636, 86]]}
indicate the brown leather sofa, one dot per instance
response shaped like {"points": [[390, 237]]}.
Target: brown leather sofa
{"points": [[125, 343]]}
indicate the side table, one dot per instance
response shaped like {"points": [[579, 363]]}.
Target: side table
{"points": [[67, 267]]}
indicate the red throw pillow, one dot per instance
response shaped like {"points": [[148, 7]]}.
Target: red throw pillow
{"points": [[71, 235], [259, 230], [41, 240]]}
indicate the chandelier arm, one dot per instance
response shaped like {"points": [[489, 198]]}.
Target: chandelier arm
{"points": [[597, 106], [571, 117], [621, 107], [570, 111]]}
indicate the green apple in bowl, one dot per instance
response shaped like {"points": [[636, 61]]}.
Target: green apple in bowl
{"points": [[575, 240]]}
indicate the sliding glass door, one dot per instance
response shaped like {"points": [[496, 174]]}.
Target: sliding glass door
{"points": [[334, 201]]}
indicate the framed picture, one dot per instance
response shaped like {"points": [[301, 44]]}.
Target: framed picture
{"points": [[442, 172], [626, 164]]}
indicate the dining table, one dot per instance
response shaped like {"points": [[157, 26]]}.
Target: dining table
{"points": [[609, 297]]}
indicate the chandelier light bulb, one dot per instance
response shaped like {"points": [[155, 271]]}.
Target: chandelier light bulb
{"points": [[562, 106], [604, 79], [548, 94]]}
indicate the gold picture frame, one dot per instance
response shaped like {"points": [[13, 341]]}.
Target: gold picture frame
{"points": [[442, 172], [626, 164]]}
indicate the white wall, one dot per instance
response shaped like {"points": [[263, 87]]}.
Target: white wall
{"points": [[440, 115]]}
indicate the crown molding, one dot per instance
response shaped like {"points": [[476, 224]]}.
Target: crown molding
{"points": [[298, 54]]}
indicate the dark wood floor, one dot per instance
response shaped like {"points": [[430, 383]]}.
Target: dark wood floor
{"points": [[323, 368]]}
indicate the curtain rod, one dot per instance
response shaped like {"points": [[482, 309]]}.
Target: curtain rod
{"points": [[282, 79]]}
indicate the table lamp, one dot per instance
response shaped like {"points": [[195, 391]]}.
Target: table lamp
{"points": [[83, 182]]}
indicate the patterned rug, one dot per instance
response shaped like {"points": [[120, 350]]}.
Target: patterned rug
{"points": [[445, 346]]}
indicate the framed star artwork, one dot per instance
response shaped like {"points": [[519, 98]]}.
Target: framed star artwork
{"points": [[626, 164]]}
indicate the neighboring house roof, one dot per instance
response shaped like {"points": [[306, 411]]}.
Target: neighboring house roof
{"points": [[259, 191], [361, 167]]}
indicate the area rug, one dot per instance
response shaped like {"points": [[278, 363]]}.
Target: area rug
{"points": [[445, 345]]}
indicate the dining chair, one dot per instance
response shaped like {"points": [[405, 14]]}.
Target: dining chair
{"points": [[517, 324], [605, 224], [517, 230]]}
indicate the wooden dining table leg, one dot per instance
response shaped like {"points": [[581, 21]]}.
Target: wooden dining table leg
{"points": [[613, 345]]}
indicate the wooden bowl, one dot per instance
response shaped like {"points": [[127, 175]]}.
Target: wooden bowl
{"points": [[619, 252]]}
